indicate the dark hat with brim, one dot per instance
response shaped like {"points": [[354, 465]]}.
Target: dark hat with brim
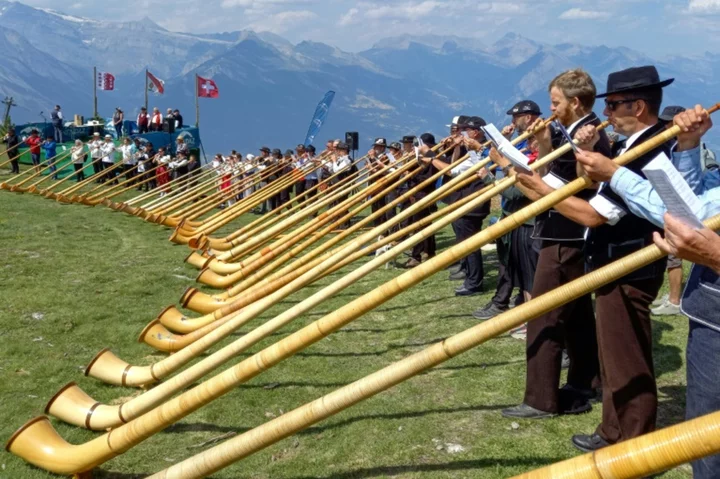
{"points": [[265, 149], [310, 148], [342, 146], [276, 151], [633, 79], [428, 139], [289, 152], [473, 122], [380, 142], [525, 107], [669, 112], [395, 146], [408, 139]]}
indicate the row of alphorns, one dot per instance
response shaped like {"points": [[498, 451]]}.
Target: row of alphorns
{"points": [[277, 255]]}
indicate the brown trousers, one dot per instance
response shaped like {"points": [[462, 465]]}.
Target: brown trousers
{"points": [[571, 326], [626, 364]]}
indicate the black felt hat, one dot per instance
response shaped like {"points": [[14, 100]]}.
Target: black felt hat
{"points": [[408, 139], [473, 122], [265, 149], [669, 112], [342, 146], [633, 79], [525, 107], [380, 142]]}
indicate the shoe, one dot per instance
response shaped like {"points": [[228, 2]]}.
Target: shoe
{"points": [[666, 309], [463, 291], [574, 401], [519, 333], [457, 276], [565, 364], [488, 311], [454, 268], [424, 257], [411, 263], [523, 411], [516, 300], [589, 442], [662, 299]]}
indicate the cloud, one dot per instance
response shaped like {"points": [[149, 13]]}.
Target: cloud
{"points": [[580, 14], [283, 21], [704, 6]]}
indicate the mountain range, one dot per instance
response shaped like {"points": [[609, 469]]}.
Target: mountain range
{"points": [[269, 87]]}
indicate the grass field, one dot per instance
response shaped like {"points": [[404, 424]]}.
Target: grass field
{"points": [[75, 280]]}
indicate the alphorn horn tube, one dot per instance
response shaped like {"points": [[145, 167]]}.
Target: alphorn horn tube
{"points": [[242, 446], [38, 443]]}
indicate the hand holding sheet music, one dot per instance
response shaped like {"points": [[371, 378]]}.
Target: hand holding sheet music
{"points": [[505, 148], [674, 191]]}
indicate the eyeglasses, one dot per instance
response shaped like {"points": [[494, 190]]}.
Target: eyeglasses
{"points": [[612, 105]]}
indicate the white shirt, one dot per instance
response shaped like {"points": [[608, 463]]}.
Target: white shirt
{"points": [[340, 164], [128, 154], [108, 152], [474, 159], [574, 125], [78, 154], [613, 212], [95, 147]]}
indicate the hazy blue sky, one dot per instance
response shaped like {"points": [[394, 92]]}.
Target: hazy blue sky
{"points": [[651, 26]]}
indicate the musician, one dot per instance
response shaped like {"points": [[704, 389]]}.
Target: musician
{"points": [[275, 159], [408, 144], [699, 302], [287, 169], [300, 160], [375, 156], [427, 248], [624, 332], [517, 251], [562, 259], [471, 223], [12, 141], [261, 159], [342, 164], [108, 158]]}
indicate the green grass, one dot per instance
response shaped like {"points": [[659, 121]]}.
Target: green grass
{"points": [[98, 277]]}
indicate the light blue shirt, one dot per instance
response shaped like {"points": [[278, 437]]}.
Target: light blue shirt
{"points": [[643, 201]]}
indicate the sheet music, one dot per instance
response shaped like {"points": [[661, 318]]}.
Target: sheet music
{"points": [[672, 188], [565, 134], [505, 148]]}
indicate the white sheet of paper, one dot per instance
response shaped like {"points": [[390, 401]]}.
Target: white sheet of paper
{"points": [[565, 134], [417, 153], [672, 188], [505, 148]]}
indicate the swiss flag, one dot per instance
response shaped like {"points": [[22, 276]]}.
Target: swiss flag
{"points": [[207, 88], [105, 81]]}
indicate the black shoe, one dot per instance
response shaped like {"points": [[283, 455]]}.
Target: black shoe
{"points": [[589, 442], [574, 401], [463, 291], [516, 300], [565, 364], [457, 276], [488, 311], [523, 411]]}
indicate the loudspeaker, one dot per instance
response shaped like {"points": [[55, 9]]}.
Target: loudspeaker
{"points": [[352, 140]]}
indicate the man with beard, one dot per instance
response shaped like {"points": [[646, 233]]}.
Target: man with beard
{"points": [[624, 331], [562, 259]]}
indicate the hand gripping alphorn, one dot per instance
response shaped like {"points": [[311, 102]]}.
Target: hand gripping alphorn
{"points": [[38, 443]]}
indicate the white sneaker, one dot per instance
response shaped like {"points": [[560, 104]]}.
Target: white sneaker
{"points": [[660, 300], [666, 309]]}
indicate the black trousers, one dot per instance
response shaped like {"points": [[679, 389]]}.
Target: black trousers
{"points": [[97, 165], [300, 189], [79, 167], [472, 264], [15, 167], [428, 245], [376, 206]]}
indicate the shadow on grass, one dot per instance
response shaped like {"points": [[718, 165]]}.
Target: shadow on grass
{"points": [[207, 427], [667, 358], [392, 471]]}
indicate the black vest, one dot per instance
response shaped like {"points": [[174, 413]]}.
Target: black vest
{"points": [[551, 225], [608, 243], [55, 118]]}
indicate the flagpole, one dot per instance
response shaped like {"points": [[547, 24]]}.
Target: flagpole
{"points": [[95, 110], [197, 104], [146, 89]]}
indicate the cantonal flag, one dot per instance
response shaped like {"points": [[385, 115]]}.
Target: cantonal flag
{"points": [[105, 81], [206, 88], [155, 85]]}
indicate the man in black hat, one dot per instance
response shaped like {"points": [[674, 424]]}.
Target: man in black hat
{"points": [[374, 160], [624, 331], [426, 248], [299, 163], [408, 144], [561, 259], [517, 251], [470, 139]]}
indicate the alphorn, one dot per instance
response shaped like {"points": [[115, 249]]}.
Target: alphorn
{"points": [[111, 369], [11, 158], [57, 159], [38, 443]]}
